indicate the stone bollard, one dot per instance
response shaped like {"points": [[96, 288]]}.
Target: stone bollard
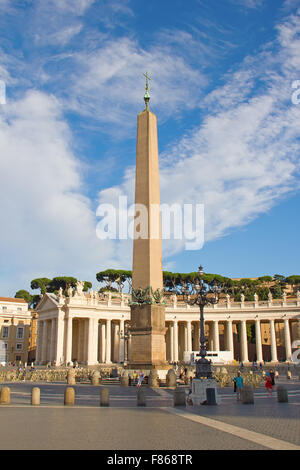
{"points": [[35, 396], [125, 379], [282, 394], [5, 396], [141, 397], [71, 377], [153, 379], [69, 396], [96, 378], [247, 396], [211, 398], [179, 397], [104, 397], [171, 379]]}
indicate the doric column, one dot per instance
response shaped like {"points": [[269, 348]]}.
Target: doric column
{"points": [[210, 341], [108, 342], [69, 324], [216, 336], [59, 351], [92, 346], [45, 341], [96, 340], [287, 340], [38, 354], [196, 346], [122, 341], [189, 336], [103, 342], [175, 340], [116, 341], [259, 355], [84, 335], [89, 340], [273, 342], [129, 346], [171, 336], [185, 343], [229, 337], [244, 344], [52, 340]]}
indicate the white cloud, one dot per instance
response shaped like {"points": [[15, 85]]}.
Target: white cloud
{"points": [[75, 7], [249, 3], [109, 82], [60, 36], [245, 155], [47, 225]]}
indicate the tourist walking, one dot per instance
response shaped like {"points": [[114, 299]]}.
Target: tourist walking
{"points": [[239, 382], [272, 376], [141, 378], [135, 377], [268, 384]]}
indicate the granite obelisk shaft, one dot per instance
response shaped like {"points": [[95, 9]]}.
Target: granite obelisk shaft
{"points": [[148, 346], [147, 250]]}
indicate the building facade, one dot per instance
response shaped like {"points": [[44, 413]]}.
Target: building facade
{"points": [[91, 329], [32, 337], [15, 321]]}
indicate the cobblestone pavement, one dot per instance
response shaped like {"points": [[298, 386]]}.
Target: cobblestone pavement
{"points": [[114, 429], [125, 426]]}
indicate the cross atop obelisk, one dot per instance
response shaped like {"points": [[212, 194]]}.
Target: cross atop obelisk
{"points": [[147, 93]]}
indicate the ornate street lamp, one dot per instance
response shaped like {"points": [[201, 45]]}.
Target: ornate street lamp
{"points": [[198, 292]]}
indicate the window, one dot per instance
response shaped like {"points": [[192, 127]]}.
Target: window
{"points": [[5, 331], [19, 309], [19, 347], [18, 358], [4, 346], [4, 308], [20, 332]]}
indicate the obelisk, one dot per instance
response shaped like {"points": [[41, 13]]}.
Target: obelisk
{"points": [[148, 346]]}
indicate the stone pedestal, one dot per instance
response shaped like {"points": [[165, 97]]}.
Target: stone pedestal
{"points": [[71, 380], [124, 379], [171, 379], [282, 394], [199, 387], [148, 345], [247, 395], [179, 397], [104, 397], [69, 396], [96, 378], [153, 379]]}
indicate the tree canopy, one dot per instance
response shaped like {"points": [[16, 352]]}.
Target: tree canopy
{"points": [[114, 276]]}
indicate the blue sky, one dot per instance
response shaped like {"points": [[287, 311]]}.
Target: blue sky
{"points": [[221, 87]]}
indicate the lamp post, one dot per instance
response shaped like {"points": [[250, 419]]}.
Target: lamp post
{"points": [[198, 292]]}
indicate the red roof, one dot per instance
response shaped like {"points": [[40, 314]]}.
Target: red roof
{"points": [[9, 299]]}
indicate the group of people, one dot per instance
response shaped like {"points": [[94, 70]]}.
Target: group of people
{"points": [[239, 382], [138, 378]]}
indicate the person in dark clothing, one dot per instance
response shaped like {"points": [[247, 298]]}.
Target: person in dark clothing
{"points": [[272, 376]]}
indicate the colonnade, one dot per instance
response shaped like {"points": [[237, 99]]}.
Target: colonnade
{"points": [[96, 340]]}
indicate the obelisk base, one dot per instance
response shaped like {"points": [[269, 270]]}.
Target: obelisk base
{"points": [[148, 343]]}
